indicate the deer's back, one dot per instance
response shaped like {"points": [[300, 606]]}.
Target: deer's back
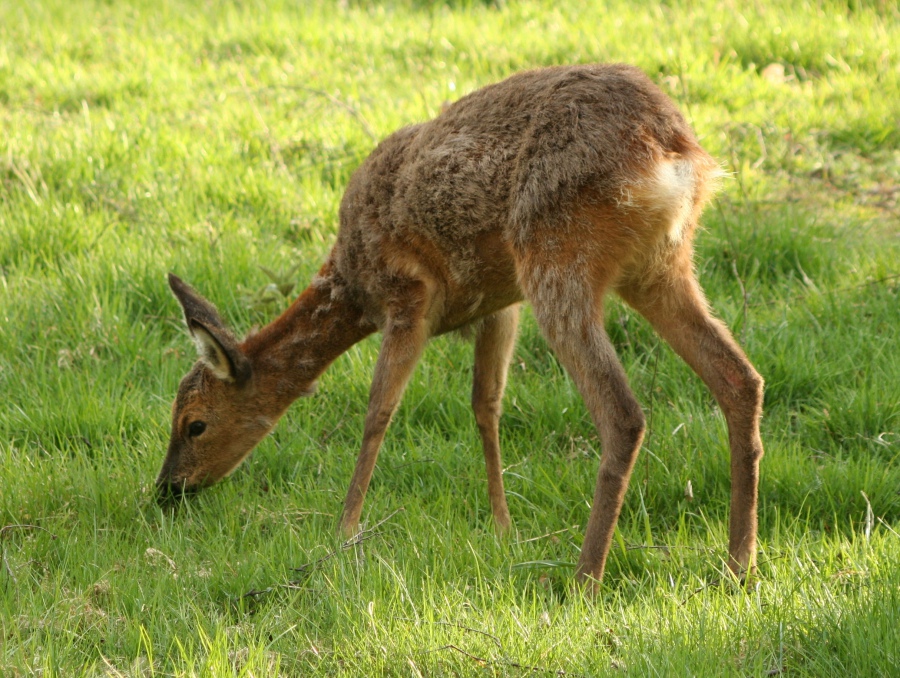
{"points": [[500, 165]]}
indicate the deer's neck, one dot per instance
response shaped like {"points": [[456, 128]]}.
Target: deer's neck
{"points": [[292, 351]]}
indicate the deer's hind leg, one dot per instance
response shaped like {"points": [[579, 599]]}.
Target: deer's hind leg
{"points": [[565, 279], [494, 345], [405, 334], [667, 293]]}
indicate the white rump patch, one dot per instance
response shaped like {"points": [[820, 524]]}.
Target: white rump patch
{"points": [[671, 189]]}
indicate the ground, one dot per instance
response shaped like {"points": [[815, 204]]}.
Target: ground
{"points": [[214, 139]]}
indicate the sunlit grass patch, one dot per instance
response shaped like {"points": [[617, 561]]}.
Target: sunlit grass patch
{"points": [[215, 139]]}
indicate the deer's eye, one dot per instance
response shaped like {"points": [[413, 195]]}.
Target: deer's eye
{"points": [[196, 428]]}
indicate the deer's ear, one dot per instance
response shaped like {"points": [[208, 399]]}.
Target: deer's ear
{"points": [[216, 345]]}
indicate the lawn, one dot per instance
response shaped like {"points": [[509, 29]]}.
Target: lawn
{"points": [[214, 140]]}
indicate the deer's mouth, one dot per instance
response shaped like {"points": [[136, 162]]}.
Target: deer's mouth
{"points": [[170, 492]]}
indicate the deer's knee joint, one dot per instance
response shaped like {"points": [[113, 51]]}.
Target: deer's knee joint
{"points": [[754, 386], [744, 386], [378, 420], [749, 388], [750, 461], [487, 412]]}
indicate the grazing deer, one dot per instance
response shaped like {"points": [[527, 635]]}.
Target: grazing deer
{"points": [[554, 186]]}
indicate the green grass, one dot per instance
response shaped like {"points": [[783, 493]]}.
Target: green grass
{"points": [[211, 138]]}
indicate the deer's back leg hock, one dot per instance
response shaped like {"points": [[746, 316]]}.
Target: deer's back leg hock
{"points": [[671, 299]]}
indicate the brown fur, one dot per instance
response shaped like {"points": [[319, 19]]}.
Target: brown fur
{"points": [[556, 186]]}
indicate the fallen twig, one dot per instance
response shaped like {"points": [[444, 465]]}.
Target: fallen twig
{"points": [[727, 576], [10, 528], [506, 663], [549, 534], [410, 463], [483, 660], [891, 529], [458, 626], [308, 568], [668, 547]]}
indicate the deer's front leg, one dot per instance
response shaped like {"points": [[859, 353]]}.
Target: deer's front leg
{"points": [[405, 335]]}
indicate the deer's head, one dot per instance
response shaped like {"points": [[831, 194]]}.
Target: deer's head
{"points": [[220, 412]]}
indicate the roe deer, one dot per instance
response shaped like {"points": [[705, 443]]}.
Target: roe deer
{"points": [[554, 186]]}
